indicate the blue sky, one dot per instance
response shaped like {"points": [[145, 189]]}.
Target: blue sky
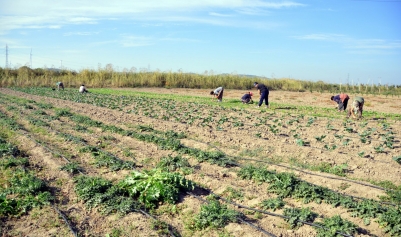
{"points": [[336, 41]]}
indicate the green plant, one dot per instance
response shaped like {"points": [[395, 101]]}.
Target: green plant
{"points": [[397, 159], [349, 129], [215, 215], [330, 148], [231, 193], [339, 170], [390, 221], [273, 203], [101, 193], [72, 167], [335, 225], [296, 216], [301, 142], [379, 149], [367, 209], [320, 138], [170, 164], [154, 186]]}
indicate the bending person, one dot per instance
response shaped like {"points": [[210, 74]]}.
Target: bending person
{"points": [[341, 100], [60, 85], [356, 109], [218, 93], [264, 94], [83, 89]]}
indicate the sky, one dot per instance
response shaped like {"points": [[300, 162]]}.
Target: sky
{"points": [[335, 41]]}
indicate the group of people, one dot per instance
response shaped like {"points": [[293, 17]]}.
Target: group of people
{"points": [[247, 98], [355, 110], [82, 88]]}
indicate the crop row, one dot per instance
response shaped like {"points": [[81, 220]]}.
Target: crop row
{"points": [[291, 183], [167, 136], [380, 139]]}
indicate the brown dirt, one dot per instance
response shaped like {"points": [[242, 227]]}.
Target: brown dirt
{"points": [[378, 103], [233, 141]]}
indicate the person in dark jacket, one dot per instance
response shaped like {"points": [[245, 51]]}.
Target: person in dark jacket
{"points": [[264, 94], [341, 100], [247, 98]]}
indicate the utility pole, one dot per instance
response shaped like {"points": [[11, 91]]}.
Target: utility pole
{"points": [[380, 83], [61, 64], [30, 59], [6, 56]]}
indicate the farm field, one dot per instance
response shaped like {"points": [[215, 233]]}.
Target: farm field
{"points": [[171, 162]]}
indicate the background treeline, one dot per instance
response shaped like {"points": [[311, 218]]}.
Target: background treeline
{"points": [[108, 77]]}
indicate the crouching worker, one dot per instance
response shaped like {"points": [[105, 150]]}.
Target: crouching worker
{"points": [[60, 85], [83, 89], [356, 109], [247, 98], [218, 93]]}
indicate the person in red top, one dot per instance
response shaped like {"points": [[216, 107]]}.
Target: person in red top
{"points": [[341, 100], [247, 98]]}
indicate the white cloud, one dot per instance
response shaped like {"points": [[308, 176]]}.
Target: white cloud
{"points": [[80, 33], [136, 41], [219, 14], [366, 46], [19, 14], [376, 44], [326, 37], [82, 20]]}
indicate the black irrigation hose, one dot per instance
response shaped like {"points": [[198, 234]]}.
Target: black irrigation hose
{"points": [[306, 172], [54, 207], [152, 217], [317, 147], [46, 148], [361, 198], [297, 169], [326, 177], [240, 219], [386, 203], [265, 212], [65, 220], [62, 215]]}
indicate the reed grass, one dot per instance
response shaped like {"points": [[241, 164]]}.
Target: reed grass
{"points": [[107, 77]]}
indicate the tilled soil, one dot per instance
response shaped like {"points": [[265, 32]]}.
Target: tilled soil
{"points": [[277, 149]]}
